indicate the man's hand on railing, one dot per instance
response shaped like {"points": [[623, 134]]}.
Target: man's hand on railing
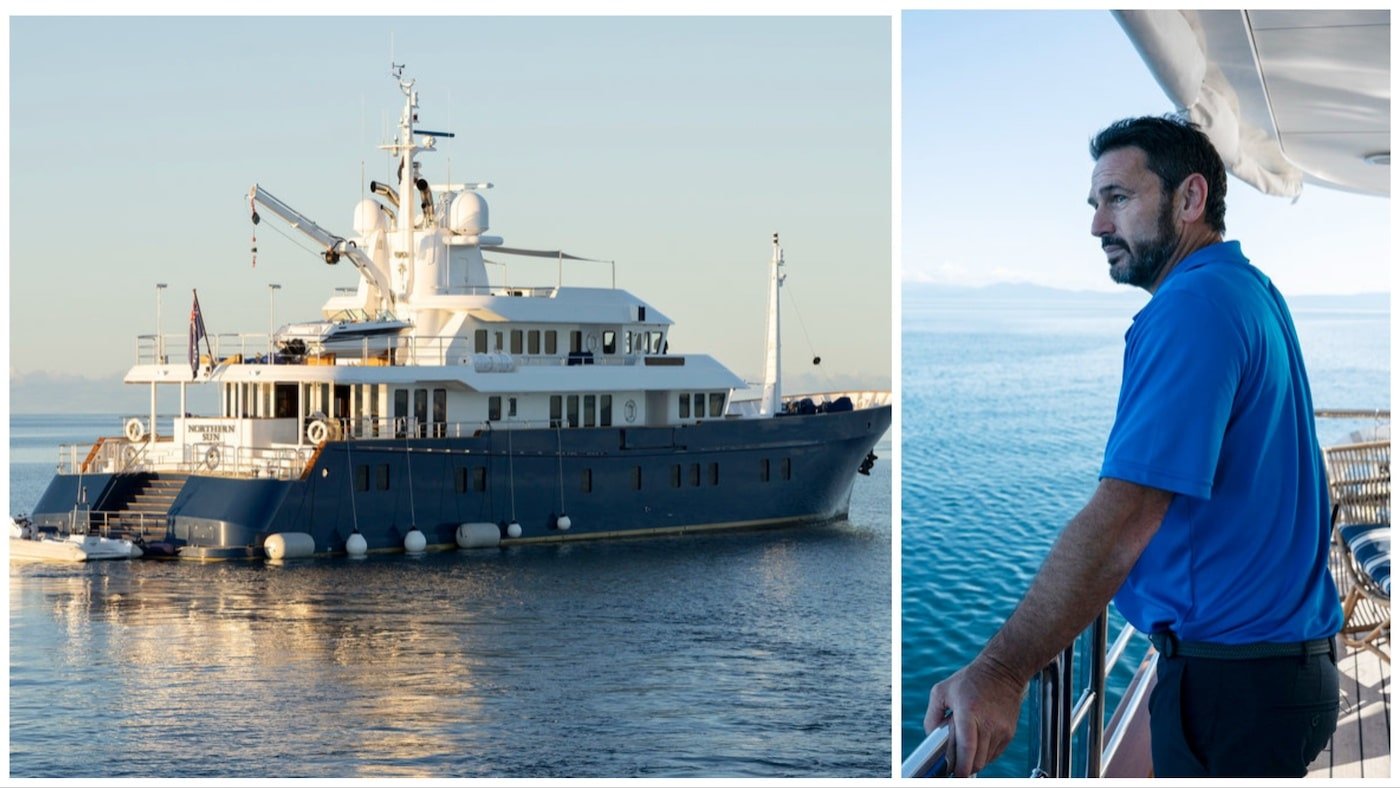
{"points": [[985, 703]]}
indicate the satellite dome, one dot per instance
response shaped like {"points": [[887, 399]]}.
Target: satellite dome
{"points": [[468, 215]]}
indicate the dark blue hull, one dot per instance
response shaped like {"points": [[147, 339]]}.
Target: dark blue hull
{"points": [[733, 473]]}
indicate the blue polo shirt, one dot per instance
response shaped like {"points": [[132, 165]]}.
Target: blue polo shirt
{"points": [[1215, 408]]}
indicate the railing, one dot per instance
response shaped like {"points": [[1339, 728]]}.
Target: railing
{"points": [[1056, 715]]}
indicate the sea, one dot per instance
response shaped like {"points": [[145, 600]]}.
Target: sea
{"points": [[749, 654], [1007, 397]]}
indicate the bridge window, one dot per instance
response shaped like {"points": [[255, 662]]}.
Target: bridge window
{"points": [[716, 405], [609, 342]]}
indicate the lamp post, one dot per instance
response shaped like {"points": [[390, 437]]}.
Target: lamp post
{"points": [[160, 340], [271, 322]]}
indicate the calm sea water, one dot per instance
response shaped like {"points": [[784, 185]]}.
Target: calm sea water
{"points": [[1006, 404], [763, 654]]}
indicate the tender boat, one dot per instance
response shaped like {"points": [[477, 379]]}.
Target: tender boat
{"points": [[27, 542], [441, 404]]}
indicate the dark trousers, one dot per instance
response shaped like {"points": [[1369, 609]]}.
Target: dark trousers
{"points": [[1266, 717]]}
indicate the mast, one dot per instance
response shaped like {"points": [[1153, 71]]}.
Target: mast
{"points": [[772, 400]]}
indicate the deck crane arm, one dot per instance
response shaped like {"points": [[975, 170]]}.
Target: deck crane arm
{"points": [[334, 246]]}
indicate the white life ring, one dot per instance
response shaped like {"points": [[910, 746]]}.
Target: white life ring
{"points": [[592, 343], [211, 457], [135, 430], [629, 411], [317, 432]]}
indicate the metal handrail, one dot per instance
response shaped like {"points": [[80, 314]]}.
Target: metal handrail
{"points": [[930, 758]]}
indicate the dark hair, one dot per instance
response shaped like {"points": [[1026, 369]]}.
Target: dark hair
{"points": [[1175, 148]]}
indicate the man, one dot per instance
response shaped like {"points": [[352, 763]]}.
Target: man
{"points": [[1209, 527]]}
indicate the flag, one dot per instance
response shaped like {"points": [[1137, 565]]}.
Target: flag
{"points": [[196, 333]]}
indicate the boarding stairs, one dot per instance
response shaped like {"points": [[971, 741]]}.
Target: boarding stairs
{"points": [[144, 511]]}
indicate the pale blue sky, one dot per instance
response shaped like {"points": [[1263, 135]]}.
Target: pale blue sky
{"points": [[998, 109], [675, 146]]}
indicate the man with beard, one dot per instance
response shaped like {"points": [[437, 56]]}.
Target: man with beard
{"points": [[1209, 527]]}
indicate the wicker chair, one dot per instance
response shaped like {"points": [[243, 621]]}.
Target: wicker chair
{"points": [[1358, 476]]}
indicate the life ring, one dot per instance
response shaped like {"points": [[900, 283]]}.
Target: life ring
{"points": [[135, 430], [629, 411], [317, 432], [128, 455], [211, 457], [592, 343]]}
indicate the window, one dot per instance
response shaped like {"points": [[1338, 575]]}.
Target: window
{"points": [[699, 406], [716, 404], [636, 477], [654, 342], [510, 410], [533, 343], [500, 341], [517, 341], [381, 480], [420, 410], [575, 341], [551, 342], [556, 411], [763, 470], [685, 406], [573, 410], [440, 413], [609, 342], [362, 478], [586, 480], [461, 478], [589, 417], [493, 408], [481, 340], [787, 469], [400, 412], [695, 474], [714, 474], [675, 475], [479, 479], [284, 397], [627, 345], [641, 314], [605, 410]]}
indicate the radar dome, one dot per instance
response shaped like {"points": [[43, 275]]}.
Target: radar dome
{"points": [[468, 215], [369, 216]]}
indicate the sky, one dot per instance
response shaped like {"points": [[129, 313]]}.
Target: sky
{"points": [[675, 146], [998, 109]]}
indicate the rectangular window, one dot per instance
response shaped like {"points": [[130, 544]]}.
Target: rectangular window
{"points": [[675, 475], [551, 342], [420, 410], [655, 343], [479, 479], [362, 478], [556, 411], [763, 471], [716, 404], [493, 408], [586, 480], [589, 409], [440, 413], [481, 346], [575, 341], [517, 341], [610, 342], [636, 477], [714, 474], [787, 469], [627, 345], [605, 410], [381, 478], [533, 345], [510, 409], [699, 406], [684, 406], [695, 474], [400, 412], [573, 410]]}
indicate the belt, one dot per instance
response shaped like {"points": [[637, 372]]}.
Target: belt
{"points": [[1169, 646]]}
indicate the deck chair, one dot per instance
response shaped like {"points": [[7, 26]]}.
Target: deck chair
{"points": [[1358, 476]]}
